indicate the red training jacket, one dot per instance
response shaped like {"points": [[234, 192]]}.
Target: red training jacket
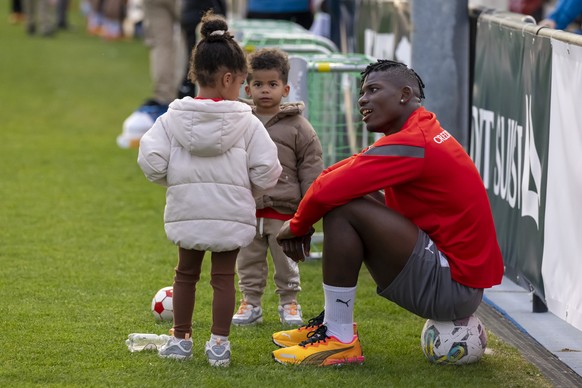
{"points": [[428, 178]]}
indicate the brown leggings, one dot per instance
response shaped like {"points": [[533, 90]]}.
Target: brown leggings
{"points": [[222, 282]]}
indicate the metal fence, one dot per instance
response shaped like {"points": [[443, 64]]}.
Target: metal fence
{"points": [[242, 28], [327, 81], [293, 42], [329, 85]]}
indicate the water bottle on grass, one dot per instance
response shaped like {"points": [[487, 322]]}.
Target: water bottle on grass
{"points": [[136, 342]]}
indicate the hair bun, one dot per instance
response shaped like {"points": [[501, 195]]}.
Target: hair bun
{"points": [[213, 26]]}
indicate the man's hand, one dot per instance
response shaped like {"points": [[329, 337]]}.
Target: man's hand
{"points": [[296, 247]]}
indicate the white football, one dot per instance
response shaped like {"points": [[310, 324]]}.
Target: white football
{"points": [[454, 342], [162, 306]]}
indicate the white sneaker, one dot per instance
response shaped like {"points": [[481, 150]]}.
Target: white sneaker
{"points": [[177, 348], [218, 353], [290, 314], [247, 314]]}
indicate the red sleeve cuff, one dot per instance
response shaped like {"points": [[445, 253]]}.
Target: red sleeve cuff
{"points": [[296, 229]]}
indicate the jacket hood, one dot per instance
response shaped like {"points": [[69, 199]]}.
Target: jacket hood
{"points": [[291, 109], [207, 127]]}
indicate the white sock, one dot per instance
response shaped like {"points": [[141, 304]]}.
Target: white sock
{"points": [[339, 312], [217, 338]]}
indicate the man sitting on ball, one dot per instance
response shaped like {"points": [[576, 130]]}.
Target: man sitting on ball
{"points": [[430, 244]]}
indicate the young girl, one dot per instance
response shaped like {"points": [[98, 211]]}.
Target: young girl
{"points": [[213, 155]]}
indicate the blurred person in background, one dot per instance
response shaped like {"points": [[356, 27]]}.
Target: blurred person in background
{"points": [[170, 33], [39, 17], [166, 51], [105, 18], [297, 11], [191, 15], [167, 23], [16, 12], [534, 8], [565, 13], [62, 14]]}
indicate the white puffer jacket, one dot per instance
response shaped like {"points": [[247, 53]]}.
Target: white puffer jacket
{"points": [[212, 157]]}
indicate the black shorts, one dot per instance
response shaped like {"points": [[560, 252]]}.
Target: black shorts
{"points": [[425, 287]]}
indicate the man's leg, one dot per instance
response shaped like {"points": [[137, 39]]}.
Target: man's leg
{"points": [[362, 231], [365, 231]]}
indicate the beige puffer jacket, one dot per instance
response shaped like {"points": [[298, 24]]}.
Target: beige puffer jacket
{"points": [[212, 157]]}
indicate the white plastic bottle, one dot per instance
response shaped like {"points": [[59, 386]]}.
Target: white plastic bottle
{"points": [[136, 342]]}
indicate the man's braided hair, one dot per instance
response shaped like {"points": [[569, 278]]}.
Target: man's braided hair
{"points": [[399, 70]]}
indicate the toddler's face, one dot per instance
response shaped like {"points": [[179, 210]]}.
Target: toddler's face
{"points": [[267, 90]]}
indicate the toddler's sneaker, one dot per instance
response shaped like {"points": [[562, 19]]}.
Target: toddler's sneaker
{"points": [[290, 314], [247, 314], [218, 353], [293, 337], [176, 348], [321, 350]]}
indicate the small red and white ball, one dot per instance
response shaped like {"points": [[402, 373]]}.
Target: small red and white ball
{"points": [[162, 305], [454, 342]]}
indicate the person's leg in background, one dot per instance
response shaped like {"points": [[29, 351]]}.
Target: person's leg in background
{"points": [[62, 21], [191, 15], [45, 17], [160, 18], [16, 12], [30, 10]]}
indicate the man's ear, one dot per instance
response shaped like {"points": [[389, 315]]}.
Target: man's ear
{"points": [[286, 90], [406, 94]]}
